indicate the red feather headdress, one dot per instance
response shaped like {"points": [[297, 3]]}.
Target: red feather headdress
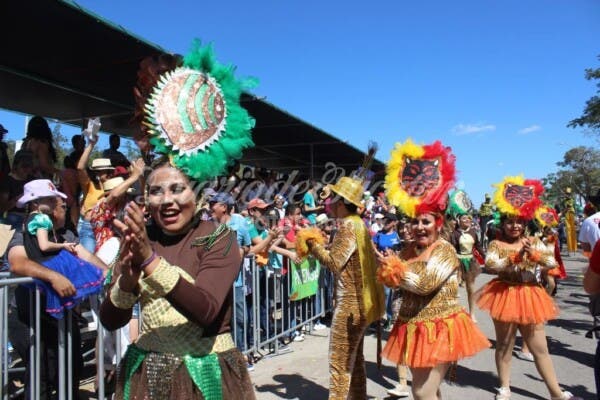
{"points": [[419, 177], [519, 197]]}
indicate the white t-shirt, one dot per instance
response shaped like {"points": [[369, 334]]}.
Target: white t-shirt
{"points": [[590, 232]]}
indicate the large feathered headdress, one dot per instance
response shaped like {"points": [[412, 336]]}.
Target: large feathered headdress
{"points": [[190, 110], [419, 177], [546, 216], [518, 197]]}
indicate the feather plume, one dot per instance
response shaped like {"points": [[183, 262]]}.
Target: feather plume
{"points": [[368, 160], [303, 236], [392, 271]]}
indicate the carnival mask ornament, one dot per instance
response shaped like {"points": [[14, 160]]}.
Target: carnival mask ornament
{"points": [[191, 111], [546, 216], [419, 177], [517, 196], [459, 203]]}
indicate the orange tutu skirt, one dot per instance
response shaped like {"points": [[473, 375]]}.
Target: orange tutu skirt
{"points": [[429, 343], [523, 304]]}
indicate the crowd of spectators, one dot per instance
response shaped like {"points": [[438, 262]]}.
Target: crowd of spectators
{"points": [[265, 209]]}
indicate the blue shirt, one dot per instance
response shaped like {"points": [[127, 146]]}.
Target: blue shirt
{"points": [[309, 201], [385, 241], [237, 223]]}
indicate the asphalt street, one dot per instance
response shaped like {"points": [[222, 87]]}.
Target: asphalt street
{"points": [[303, 373]]}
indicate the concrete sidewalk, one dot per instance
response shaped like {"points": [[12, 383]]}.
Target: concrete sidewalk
{"points": [[303, 373]]}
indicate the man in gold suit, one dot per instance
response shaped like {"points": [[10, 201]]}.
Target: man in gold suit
{"points": [[359, 298]]}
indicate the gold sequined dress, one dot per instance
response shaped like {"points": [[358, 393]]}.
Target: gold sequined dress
{"points": [[432, 328], [359, 301], [517, 294]]}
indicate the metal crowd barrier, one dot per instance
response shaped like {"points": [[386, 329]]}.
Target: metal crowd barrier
{"points": [[268, 319]]}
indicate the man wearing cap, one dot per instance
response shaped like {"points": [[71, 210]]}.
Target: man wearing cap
{"points": [[377, 225], [221, 207], [263, 240], [359, 298]]}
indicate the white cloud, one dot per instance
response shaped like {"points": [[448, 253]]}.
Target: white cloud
{"points": [[530, 129], [467, 129]]}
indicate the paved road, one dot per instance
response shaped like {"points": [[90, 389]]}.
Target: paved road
{"points": [[303, 373]]}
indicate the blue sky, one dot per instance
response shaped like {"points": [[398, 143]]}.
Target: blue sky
{"points": [[496, 81]]}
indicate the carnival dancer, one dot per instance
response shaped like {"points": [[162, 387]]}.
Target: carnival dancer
{"points": [[571, 228], [180, 268], [359, 298], [516, 299], [547, 218], [466, 243], [432, 330]]}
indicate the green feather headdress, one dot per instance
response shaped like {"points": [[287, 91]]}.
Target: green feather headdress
{"points": [[194, 117], [459, 203]]}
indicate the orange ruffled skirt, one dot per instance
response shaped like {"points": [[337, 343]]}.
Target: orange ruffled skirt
{"points": [[521, 303], [429, 343]]}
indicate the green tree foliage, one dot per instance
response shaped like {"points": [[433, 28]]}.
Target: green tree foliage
{"points": [[579, 170], [132, 152], [591, 113], [62, 145]]}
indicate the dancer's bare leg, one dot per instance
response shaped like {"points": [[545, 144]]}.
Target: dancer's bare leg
{"points": [[505, 341], [535, 337], [426, 382]]}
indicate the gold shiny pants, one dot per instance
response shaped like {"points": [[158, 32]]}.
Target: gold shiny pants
{"points": [[348, 378]]}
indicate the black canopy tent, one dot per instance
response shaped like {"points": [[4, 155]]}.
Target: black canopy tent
{"points": [[61, 61]]}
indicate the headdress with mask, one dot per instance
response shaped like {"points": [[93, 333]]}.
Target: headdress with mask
{"points": [[546, 216], [419, 177], [190, 110], [518, 197]]}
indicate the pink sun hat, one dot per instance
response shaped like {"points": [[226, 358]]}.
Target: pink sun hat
{"points": [[37, 189]]}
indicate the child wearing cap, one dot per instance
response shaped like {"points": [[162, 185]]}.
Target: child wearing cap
{"points": [[40, 242]]}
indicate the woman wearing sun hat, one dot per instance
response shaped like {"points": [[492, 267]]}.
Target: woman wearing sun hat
{"points": [[516, 299], [91, 186], [359, 298], [432, 329], [114, 199]]}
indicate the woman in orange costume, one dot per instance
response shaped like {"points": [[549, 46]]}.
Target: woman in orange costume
{"points": [[432, 329], [548, 219], [516, 299]]}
